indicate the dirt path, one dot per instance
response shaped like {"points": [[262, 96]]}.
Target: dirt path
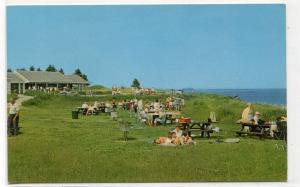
{"points": [[22, 98]]}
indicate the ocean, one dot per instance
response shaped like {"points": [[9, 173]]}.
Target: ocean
{"points": [[269, 96]]}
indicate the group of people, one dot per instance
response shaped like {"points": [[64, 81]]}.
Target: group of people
{"points": [[174, 103], [248, 117], [105, 107], [256, 119], [49, 89], [175, 137], [142, 91], [149, 112], [44, 89], [136, 91], [115, 90]]}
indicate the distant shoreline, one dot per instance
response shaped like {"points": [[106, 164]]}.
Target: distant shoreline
{"points": [[274, 96]]}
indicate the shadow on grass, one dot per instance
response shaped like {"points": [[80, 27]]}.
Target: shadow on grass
{"points": [[128, 139]]}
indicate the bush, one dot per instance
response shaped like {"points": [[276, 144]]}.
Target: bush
{"points": [[97, 87], [273, 114], [39, 98], [10, 96], [225, 111], [101, 92], [82, 93]]}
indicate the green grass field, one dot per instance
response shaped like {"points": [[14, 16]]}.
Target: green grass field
{"points": [[54, 148]]}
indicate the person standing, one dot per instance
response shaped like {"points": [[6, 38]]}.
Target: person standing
{"points": [[13, 117]]}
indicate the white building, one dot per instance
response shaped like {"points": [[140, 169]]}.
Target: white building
{"points": [[20, 81]]}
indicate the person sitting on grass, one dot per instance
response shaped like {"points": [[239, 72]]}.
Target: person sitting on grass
{"points": [[178, 131], [175, 139], [186, 139]]}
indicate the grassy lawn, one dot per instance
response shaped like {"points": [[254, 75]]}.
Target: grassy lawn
{"points": [[54, 148]]}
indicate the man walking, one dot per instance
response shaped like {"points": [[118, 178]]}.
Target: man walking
{"points": [[13, 117]]}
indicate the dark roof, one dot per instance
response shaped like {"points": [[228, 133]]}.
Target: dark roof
{"points": [[13, 78], [44, 77], [75, 79]]}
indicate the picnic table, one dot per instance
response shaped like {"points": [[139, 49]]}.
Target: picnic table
{"points": [[202, 127], [185, 123], [259, 130], [101, 108], [80, 109], [167, 117]]}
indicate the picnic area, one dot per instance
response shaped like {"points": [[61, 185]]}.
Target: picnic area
{"points": [[54, 146]]}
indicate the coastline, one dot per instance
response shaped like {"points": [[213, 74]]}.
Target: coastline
{"points": [[274, 96]]}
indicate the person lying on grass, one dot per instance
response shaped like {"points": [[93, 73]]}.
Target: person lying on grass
{"points": [[164, 140], [172, 139], [175, 139], [186, 139]]}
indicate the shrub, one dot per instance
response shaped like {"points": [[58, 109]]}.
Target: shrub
{"points": [[39, 98], [225, 111], [273, 114], [97, 87]]}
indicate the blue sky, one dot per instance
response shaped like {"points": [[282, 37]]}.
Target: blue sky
{"points": [[164, 46]]}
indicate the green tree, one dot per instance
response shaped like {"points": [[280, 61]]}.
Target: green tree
{"points": [[51, 68], [84, 76], [136, 83], [9, 70], [80, 74], [38, 69], [31, 68], [61, 71]]}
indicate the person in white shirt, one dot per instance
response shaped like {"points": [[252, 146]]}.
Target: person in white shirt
{"points": [[178, 131], [256, 118], [84, 107], [96, 104], [13, 117], [156, 105], [140, 105]]}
